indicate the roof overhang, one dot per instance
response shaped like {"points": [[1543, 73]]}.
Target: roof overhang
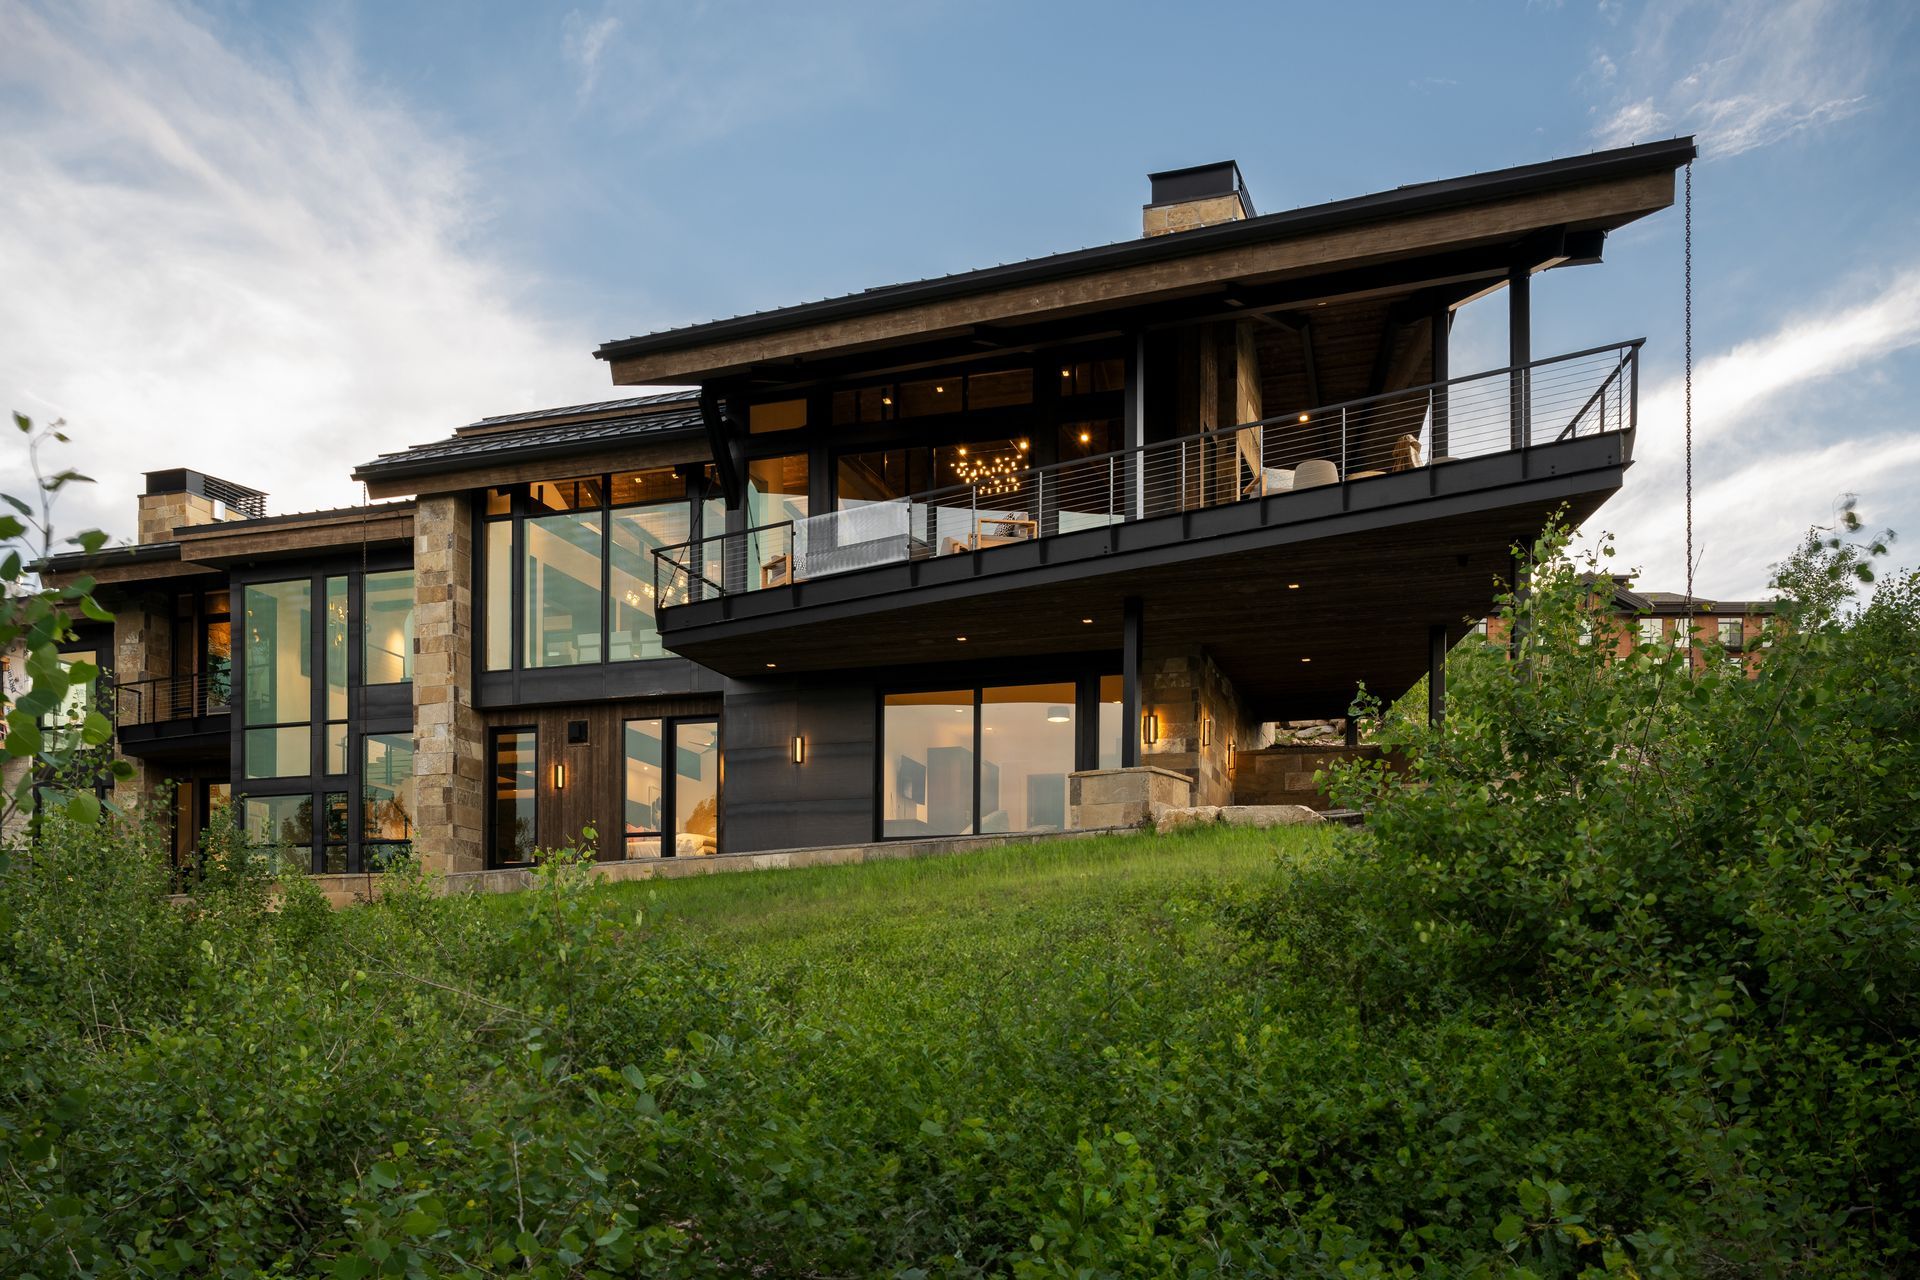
{"points": [[1574, 197]]}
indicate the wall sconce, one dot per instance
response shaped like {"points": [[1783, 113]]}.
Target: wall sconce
{"points": [[799, 749], [1206, 731], [559, 776], [1150, 728], [1229, 755]]}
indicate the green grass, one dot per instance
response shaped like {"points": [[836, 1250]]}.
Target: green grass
{"points": [[1014, 894]]}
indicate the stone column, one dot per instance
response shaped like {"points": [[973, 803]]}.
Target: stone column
{"points": [[142, 651], [449, 736]]}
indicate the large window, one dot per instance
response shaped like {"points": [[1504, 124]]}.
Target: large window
{"points": [[643, 788], [928, 764], [562, 589], [386, 805], [583, 583], [637, 533], [776, 496], [1026, 753], [515, 771], [279, 822], [388, 607], [278, 710], [990, 759], [696, 786]]}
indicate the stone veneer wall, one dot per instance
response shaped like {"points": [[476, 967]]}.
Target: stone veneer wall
{"points": [[142, 650], [162, 513], [1183, 687], [449, 736], [1283, 774]]}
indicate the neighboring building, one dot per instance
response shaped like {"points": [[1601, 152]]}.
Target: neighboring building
{"points": [[923, 560], [1737, 628]]}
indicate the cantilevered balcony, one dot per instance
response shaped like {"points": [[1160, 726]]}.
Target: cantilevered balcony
{"points": [[1475, 462]]}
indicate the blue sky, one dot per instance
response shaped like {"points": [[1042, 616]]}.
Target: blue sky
{"points": [[270, 240]]}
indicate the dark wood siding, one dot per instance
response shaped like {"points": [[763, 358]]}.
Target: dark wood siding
{"points": [[595, 768]]}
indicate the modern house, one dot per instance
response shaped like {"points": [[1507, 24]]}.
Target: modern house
{"points": [[998, 551], [1737, 629]]}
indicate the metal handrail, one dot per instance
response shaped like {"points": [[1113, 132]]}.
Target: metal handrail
{"points": [[1449, 418], [160, 699]]}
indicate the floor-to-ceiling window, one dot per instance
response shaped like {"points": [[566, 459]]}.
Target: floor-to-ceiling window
{"points": [[388, 630], [991, 758], [513, 766], [278, 709], [310, 735], [387, 804], [643, 787], [696, 786], [573, 561], [1027, 749], [927, 770]]}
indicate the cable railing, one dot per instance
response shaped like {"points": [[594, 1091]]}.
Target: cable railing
{"points": [[1561, 398], [169, 698]]}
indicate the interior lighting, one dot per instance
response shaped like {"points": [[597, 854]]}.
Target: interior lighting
{"points": [[799, 749], [1058, 715]]}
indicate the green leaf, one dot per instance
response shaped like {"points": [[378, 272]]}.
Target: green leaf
{"points": [[23, 737], [384, 1174], [94, 610], [1509, 1230], [96, 730], [83, 807]]}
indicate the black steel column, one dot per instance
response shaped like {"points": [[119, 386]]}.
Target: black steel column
{"points": [[1134, 427], [1436, 675], [1132, 641], [1442, 332], [1519, 349]]}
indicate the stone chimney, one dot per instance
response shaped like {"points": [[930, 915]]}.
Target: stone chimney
{"points": [[1198, 197], [181, 497]]}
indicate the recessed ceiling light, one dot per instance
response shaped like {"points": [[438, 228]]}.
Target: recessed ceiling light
{"points": [[1086, 437], [772, 665], [939, 390], [1088, 621], [1303, 417], [1306, 659], [1293, 586], [962, 639]]}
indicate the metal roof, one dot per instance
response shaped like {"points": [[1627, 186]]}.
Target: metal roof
{"points": [[578, 410], [1401, 201], [535, 442]]}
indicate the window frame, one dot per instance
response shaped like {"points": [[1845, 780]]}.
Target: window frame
{"points": [[518, 508], [1086, 724]]}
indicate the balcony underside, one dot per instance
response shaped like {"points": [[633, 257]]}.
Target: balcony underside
{"points": [[1378, 561], [185, 738]]}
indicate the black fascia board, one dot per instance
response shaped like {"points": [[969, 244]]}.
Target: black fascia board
{"points": [[137, 553], [402, 466], [1418, 198]]}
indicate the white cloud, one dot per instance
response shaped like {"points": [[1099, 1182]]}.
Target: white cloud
{"points": [[1765, 464], [1749, 76], [584, 40], [270, 273]]}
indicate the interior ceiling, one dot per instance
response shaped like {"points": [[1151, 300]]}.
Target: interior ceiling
{"points": [[1361, 613]]}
